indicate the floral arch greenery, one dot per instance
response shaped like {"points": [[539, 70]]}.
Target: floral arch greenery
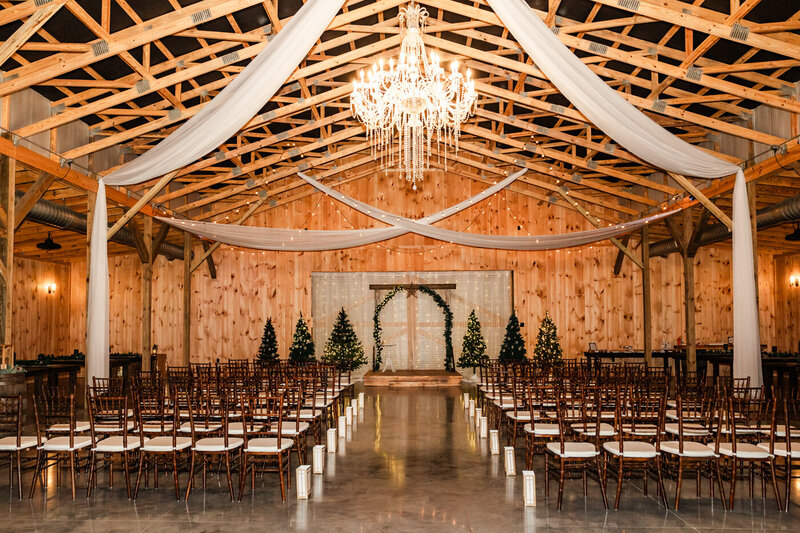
{"points": [[449, 360]]}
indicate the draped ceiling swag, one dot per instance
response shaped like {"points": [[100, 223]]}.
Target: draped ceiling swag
{"points": [[257, 83]]}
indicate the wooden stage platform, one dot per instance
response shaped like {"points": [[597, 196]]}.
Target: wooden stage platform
{"points": [[413, 378]]}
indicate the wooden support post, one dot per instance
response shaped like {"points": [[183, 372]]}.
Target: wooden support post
{"points": [[647, 316], [187, 297], [147, 293], [688, 291], [621, 255], [7, 184]]}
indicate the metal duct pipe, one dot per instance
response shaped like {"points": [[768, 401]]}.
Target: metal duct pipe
{"points": [[785, 211], [62, 217]]}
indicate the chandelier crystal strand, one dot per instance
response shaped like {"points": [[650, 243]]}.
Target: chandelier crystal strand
{"points": [[414, 98]]}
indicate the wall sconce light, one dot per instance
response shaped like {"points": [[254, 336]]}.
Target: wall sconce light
{"points": [[51, 288], [794, 281]]}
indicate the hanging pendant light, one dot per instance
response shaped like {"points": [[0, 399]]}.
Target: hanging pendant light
{"points": [[48, 245]]}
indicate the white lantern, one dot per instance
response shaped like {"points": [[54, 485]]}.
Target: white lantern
{"points": [[466, 400], [360, 400], [494, 442], [529, 488], [478, 415], [349, 416], [303, 482], [484, 426], [354, 404], [510, 461], [342, 426], [332, 440], [471, 408], [319, 459]]}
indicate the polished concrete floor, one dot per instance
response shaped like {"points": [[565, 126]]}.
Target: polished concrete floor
{"points": [[411, 463]]}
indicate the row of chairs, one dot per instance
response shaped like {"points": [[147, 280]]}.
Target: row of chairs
{"points": [[619, 421], [253, 417]]}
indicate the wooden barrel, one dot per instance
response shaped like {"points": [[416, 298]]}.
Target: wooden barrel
{"points": [[13, 383]]}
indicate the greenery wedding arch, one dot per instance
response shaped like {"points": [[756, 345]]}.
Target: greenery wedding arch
{"points": [[449, 360]]}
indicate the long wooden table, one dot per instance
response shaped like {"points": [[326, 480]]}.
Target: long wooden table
{"points": [[782, 371]]}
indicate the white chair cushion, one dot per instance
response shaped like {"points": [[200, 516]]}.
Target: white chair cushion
{"points": [[744, 450], [641, 430], [690, 429], [164, 444], [690, 448], [186, 427], [9, 444], [268, 445], [542, 429], [237, 428], [780, 449], [155, 427], [290, 429], [80, 427], [61, 444], [634, 449], [216, 444], [606, 430], [573, 449], [522, 415], [780, 431], [111, 428], [114, 444], [305, 414]]}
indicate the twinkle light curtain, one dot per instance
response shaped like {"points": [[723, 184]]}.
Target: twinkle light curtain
{"points": [[221, 118], [631, 128]]}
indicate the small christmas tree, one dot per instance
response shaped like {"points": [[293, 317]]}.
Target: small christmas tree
{"points": [[343, 348], [548, 350], [302, 349], [268, 351], [513, 348], [473, 349]]}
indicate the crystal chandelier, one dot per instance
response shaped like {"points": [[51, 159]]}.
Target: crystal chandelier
{"points": [[415, 97]]}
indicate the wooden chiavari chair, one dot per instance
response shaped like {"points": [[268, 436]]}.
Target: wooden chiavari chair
{"points": [[111, 433], [12, 440], [259, 449]]}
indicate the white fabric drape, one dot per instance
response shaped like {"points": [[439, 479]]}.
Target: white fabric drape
{"points": [[316, 240], [628, 126], [298, 240], [497, 242], [221, 118]]}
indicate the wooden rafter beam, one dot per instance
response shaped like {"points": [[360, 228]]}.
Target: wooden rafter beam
{"points": [[41, 163], [32, 195], [27, 30]]}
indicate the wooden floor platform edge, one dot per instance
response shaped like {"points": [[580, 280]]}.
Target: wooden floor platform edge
{"points": [[413, 379]]}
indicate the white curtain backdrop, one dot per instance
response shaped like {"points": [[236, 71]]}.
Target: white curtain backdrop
{"points": [[214, 124], [488, 292], [631, 128]]}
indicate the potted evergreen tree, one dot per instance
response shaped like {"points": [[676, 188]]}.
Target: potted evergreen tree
{"points": [[268, 350], [302, 349], [473, 349], [513, 348], [547, 352], [343, 348]]}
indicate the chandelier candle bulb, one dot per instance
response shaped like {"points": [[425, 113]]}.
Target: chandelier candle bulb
{"points": [[494, 442], [529, 488], [510, 461], [332, 440], [471, 408], [303, 482], [484, 426], [319, 459]]}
